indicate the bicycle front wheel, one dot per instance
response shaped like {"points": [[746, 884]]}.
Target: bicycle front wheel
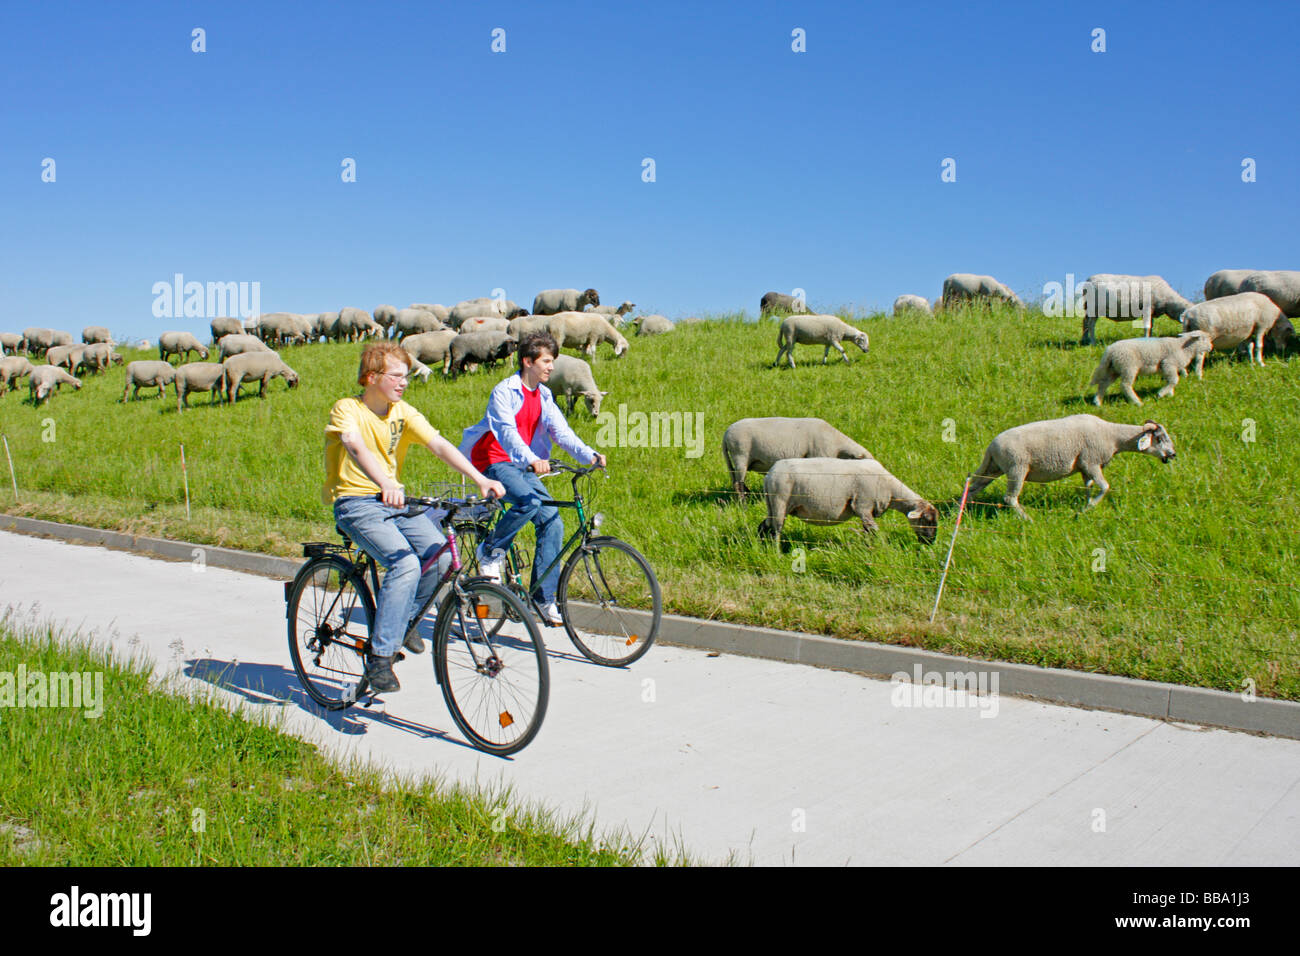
{"points": [[330, 613], [610, 601], [496, 684], [468, 538]]}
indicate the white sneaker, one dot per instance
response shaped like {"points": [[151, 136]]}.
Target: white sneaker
{"points": [[551, 615], [490, 567]]}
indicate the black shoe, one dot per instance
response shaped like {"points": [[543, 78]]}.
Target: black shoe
{"points": [[413, 641], [379, 674]]}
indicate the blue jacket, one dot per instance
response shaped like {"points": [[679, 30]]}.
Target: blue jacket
{"points": [[503, 404]]}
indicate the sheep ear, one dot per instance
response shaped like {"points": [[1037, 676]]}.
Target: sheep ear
{"points": [[1144, 442], [603, 394], [915, 513]]}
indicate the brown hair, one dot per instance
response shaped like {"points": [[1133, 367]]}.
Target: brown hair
{"points": [[534, 344], [375, 359]]}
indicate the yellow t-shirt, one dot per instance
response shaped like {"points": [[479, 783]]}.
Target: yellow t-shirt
{"points": [[388, 438]]}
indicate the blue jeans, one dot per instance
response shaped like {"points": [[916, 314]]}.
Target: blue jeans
{"points": [[401, 546], [525, 492]]}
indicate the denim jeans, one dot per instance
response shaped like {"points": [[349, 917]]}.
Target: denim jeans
{"points": [[525, 492], [401, 546]]}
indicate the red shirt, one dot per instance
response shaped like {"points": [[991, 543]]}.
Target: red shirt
{"points": [[488, 451]]}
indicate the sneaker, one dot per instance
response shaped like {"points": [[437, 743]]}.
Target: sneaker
{"points": [[490, 566], [551, 615], [379, 673], [413, 641]]}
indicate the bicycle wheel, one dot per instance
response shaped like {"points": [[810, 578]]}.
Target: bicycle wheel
{"points": [[610, 590], [468, 538], [330, 613], [496, 686]]}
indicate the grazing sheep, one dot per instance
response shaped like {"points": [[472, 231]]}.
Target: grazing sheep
{"points": [[965, 287], [429, 347], [756, 444], [653, 325], [12, 368], [325, 326], [180, 344], [37, 341], [65, 356], [572, 377], [282, 328], [355, 325], [1226, 282], [419, 370], [484, 306], [1282, 286], [440, 311], [1126, 359], [230, 345], [828, 330], [584, 331], [385, 316], [96, 358], [223, 326], [826, 491], [45, 379], [778, 303], [199, 377], [95, 334], [479, 348], [1123, 298], [614, 315], [1245, 317], [415, 322], [305, 328], [148, 374], [911, 303], [255, 366], [1057, 448], [483, 323], [62, 338], [527, 324], [554, 301]]}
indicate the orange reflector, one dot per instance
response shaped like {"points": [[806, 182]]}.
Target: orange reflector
{"points": [[631, 640], [482, 610], [506, 719]]}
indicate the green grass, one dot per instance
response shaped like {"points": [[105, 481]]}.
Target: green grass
{"points": [[158, 780], [1198, 554]]}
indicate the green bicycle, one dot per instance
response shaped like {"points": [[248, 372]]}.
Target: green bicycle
{"points": [[608, 596]]}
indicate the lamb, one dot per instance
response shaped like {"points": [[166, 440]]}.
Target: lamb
{"points": [[65, 356], [12, 368], [756, 444], [94, 334], [827, 491], [230, 345], [45, 379], [555, 301], [225, 325], [572, 377], [774, 303], [1282, 286], [97, 357], [1226, 282], [429, 347], [255, 366], [653, 325], [484, 323], [483, 306], [584, 331], [1057, 448], [965, 287], [480, 348], [10, 342], [1232, 320], [911, 303], [614, 315], [147, 374], [1124, 298], [199, 377], [1128, 358], [180, 344], [415, 321], [828, 330]]}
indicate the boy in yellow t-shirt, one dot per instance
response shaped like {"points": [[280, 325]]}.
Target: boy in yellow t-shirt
{"points": [[366, 442]]}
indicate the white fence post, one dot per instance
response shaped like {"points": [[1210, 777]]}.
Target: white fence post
{"points": [[947, 561]]}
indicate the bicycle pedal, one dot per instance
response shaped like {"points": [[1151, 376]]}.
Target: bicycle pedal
{"points": [[399, 656]]}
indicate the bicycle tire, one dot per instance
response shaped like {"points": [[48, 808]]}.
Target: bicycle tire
{"points": [[496, 686], [471, 536], [331, 613], [617, 633]]}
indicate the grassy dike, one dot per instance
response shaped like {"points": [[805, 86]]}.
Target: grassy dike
{"points": [[1182, 574], [158, 780]]}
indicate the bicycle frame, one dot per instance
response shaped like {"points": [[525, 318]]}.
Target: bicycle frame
{"points": [[581, 532]]}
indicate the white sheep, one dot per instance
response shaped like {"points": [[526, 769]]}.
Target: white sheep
{"points": [[229, 345], [199, 377], [149, 374], [95, 334], [966, 287], [1282, 286], [180, 344], [827, 330], [1226, 282], [1126, 359], [1057, 448], [484, 306], [615, 315], [1234, 319], [225, 325], [253, 367], [45, 379], [780, 303], [441, 312], [429, 347], [827, 491], [911, 303], [584, 331], [66, 356], [12, 368], [97, 357], [653, 325], [414, 322], [484, 323], [553, 301], [1125, 298], [11, 343], [572, 377], [756, 444]]}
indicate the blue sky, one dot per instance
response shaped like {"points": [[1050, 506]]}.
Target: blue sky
{"points": [[523, 170]]}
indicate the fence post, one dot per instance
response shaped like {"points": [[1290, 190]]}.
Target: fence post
{"points": [[947, 561], [185, 475], [12, 476]]}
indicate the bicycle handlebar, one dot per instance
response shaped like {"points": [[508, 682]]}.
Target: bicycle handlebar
{"points": [[417, 505], [579, 471]]}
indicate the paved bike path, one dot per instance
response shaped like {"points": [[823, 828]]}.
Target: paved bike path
{"points": [[771, 762]]}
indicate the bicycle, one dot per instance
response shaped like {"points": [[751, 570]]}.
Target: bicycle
{"points": [[606, 585], [496, 686]]}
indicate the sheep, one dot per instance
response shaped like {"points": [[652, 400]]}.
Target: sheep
{"points": [[1234, 319], [572, 377], [756, 444], [305, 327], [615, 315], [527, 324], [1057, 448], [225, 325], [10, 342], [554, 301], [1226, 282], [828, 330], [180, 344], [1126, 359], [95, 334], [148, 374], [355, 324], [45, 379], [230, 345], [777, 303], [420, 370], [255, 366], [480, 348], [440, 311], [199, 377], [385, 316], [282, 328], [584, 331], [97, 357], [61, 338], [1124, 297], [429, 347], [827, 491], [965, 287], [1282, 286], [653, 325], [911, 303], [65, 356], [12, 368], [37, 341], [483, 323], [414, 322], [483, 306], [324, 326]]}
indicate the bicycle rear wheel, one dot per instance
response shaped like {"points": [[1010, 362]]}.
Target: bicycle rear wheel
{"points": [[610, 601], [496, 685], [330, 614]]}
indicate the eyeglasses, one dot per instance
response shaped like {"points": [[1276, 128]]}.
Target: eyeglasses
{"points": [[396, 376]]}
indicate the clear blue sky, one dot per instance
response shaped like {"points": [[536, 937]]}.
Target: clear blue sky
{"points": [[522, 170]]}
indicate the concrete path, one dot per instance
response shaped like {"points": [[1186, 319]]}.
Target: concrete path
{"points": [[762, 761]]}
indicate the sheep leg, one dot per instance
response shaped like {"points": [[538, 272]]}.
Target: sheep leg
{"points": [[1012, 498], [1257, 347], [1132, 396], [987, 473], [844, 355], [1102, 386], [1092, 476], [1170, 370], [825, 354], [1089, 335], [1200, 363]]}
